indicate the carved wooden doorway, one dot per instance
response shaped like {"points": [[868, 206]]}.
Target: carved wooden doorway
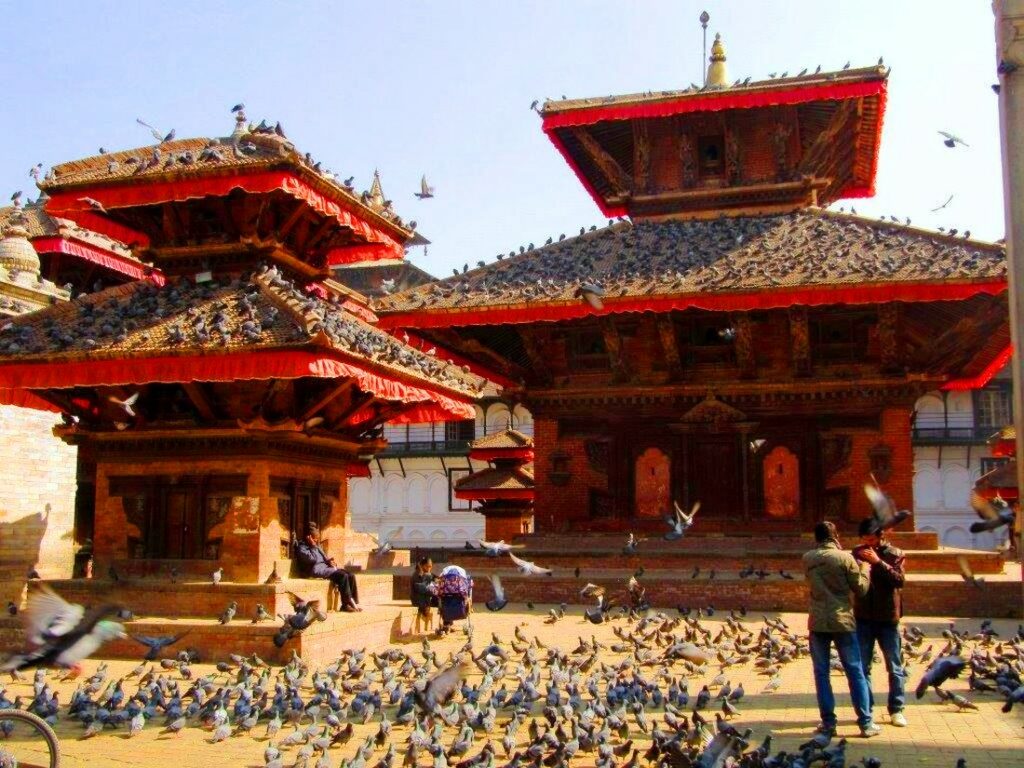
{"points": [[653, 478]]}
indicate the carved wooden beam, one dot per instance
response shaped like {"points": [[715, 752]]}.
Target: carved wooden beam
{"points": [[670, 347], [609, 166], [357, 402], [825, 140], [534, 348], [197, 394], [293, 218], [888, 337], [800, 341], [325, 226], [329, 396], [641, 157], [613, 345], [170, 224], [744, 343], [272, 389]]}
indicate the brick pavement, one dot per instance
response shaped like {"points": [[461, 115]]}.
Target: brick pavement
{"points": [[937, 735]]}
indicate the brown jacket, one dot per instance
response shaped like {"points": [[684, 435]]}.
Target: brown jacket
{"points": [[832, 574], [883, 601]]}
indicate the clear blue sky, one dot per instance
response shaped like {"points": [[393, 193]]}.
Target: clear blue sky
{"points": [[443, 88]]}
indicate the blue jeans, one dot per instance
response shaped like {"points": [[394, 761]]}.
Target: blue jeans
{"points": [[888, 637], [849, 655]]}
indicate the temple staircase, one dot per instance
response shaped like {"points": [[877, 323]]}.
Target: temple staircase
{"points": [[934, 586]]}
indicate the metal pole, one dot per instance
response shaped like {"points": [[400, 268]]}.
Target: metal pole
{"points": [[1010, 65], [705, 17]]}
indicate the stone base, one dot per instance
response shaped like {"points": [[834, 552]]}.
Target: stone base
{"points": [[323, 642]]}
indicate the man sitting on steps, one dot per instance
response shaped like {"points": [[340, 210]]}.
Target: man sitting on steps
{"points": [[315, 564]]}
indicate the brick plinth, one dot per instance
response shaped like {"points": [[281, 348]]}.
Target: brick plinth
{"points": [[251, 532]]}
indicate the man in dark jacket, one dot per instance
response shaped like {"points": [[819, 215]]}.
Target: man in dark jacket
{"points": [[315, 564], [879, 611], [831, 575]]}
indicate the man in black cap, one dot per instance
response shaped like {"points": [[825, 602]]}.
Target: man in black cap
{"points": [[315, 564], [879, 611]]}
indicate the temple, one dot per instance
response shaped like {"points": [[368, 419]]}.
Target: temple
{"points": [[224, 397], [733, 342]]}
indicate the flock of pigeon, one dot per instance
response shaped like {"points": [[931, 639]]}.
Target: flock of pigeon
{"points": [[727, 253], [660, 694], [263, 307]]}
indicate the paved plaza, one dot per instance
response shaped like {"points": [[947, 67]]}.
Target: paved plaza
{"points": [[938, 733]]}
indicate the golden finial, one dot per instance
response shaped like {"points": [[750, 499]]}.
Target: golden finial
{"points": [[718, 77]]}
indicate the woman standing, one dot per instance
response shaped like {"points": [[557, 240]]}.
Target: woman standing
{"points": [[423, 596]]}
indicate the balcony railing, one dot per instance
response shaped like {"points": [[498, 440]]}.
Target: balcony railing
{"points": [[427, 448], [952, 435]]}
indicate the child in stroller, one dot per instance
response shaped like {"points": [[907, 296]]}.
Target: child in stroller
{"points": [[455, 593]]}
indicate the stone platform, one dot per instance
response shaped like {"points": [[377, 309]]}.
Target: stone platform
{"points": [[163, 608], [934, 586]]}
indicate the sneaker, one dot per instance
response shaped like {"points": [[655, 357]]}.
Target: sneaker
{"points": [[898, 719], [869, 731]]}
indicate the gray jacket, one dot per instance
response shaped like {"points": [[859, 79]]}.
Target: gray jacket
{"points": [[832, 574]]}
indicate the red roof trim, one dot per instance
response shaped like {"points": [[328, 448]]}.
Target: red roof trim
{"points": [[716, 102], [71, 204], [490, 494], [95, 255], [501, 454], [774, 298], [983, 378], [370, 252], [233, 366]]}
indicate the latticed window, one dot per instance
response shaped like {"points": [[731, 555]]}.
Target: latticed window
{"points": [[992, 408], [464, 429]]}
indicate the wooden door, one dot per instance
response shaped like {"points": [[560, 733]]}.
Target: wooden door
{"points": [[714, 475], [653, 483]]}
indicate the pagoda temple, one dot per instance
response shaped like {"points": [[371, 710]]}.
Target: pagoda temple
{"points": [[726, 338], [226, 396], [504, 489]]}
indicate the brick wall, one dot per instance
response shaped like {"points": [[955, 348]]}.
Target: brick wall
{"points": [[37, 496], [559, 501]]}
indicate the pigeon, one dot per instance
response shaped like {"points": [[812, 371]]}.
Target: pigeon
{"points": [[12, 609], [886, 514], [592, 294], [426, 191], [386, 546], [679, 522], [157, 644], [261, 614], [63, 634], [942, 669], [994, 513], [940, 207], [498, 601], [219, 573], [228, 613], [494, 548], [951, 140], [529, 569], [440, 688]]}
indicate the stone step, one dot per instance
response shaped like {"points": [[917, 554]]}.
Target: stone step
{"points": [[696, 541], [321, 643], [723, 560], [941, 596], [204, 600]]}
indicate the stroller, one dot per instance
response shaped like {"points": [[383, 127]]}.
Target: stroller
{"points": [[454, 590]]}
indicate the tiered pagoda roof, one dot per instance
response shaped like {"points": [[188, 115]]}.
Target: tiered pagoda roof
{"points": [[510, 476], [52, 235], [245, 230], [810, 257]]}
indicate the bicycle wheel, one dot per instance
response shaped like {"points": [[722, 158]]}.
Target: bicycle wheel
{"points": [[23, 744]]}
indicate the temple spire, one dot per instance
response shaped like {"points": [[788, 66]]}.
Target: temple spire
{"points": [[376, 194], [718, 76]]}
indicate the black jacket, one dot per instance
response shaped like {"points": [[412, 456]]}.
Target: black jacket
{"points": [[421, 596], [884, 600]]}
